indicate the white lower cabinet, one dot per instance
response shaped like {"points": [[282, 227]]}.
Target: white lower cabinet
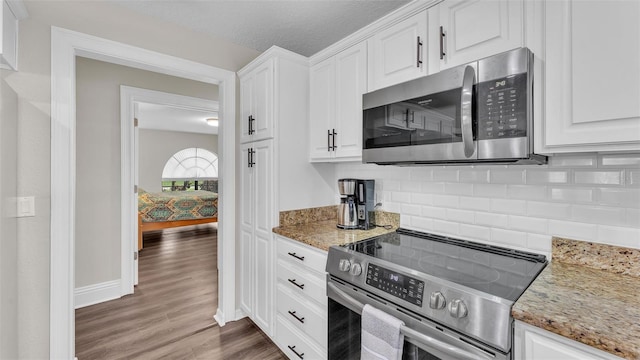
{"points": [[301, 300], [533, 343], [256, 238], [294, 344]]}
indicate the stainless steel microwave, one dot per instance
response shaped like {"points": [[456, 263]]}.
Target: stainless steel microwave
{"points": [[476, 113]]}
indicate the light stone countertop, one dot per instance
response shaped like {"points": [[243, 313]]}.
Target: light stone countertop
{"points": [[323, 234], [589, 294]]}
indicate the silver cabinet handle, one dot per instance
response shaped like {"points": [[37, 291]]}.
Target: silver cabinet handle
{"points": [[466, 99]]}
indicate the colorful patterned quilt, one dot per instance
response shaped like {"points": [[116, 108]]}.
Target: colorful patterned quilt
{"points": [[177, 205]]}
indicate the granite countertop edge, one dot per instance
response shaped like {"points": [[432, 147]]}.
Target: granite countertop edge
{"points": [[592, 306], [324, 234]]}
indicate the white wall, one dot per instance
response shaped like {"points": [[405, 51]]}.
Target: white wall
{"points": [[8, 223], [157, 146], [583, 197], [33, 84]]}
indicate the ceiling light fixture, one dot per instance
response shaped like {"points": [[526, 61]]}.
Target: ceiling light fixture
{"points": [[212, 121]]}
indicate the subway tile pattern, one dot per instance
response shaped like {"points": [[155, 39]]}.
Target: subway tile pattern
{"points": [[591, 197]]}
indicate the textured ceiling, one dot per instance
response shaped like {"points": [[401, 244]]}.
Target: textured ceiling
{"points": [[302, 26], [169, 118]]}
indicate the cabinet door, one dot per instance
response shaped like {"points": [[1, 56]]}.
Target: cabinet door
{"points": [[395, 54], [246, 231], [264, 188], [351, 83], [591, 81], [263, 248], [246, 270], [321, 109], [246, 186], [246, 107], [474, 29], [533, 343], [263, 89]]}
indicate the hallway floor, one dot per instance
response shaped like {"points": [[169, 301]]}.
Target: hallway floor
{"points": [[170, 316]]}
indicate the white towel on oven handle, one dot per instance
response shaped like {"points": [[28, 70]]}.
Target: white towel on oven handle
{"points": [[381, 335]]}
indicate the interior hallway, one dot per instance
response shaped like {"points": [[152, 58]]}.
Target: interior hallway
{"points": [[171, 313]]}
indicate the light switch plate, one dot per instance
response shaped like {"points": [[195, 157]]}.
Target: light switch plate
{"points": [[26, 206]]}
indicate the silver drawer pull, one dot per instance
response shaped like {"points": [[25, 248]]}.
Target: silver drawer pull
{"points": [[292, 348], [293, 313], [301, 258], [293, 281]]}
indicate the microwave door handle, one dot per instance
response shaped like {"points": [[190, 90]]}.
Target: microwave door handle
{"points": [[423, 339], [466, 99]]}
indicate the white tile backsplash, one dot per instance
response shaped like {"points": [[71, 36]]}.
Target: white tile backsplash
{"points": [[526, 192], [547, 177], [571, 194], [584, 196], [598, 177]]}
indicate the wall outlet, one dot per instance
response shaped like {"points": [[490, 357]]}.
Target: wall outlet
{"points": [[26, 206]]}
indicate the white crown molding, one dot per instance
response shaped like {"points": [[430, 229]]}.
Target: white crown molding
{"points": [[366, 32], [277, 52], [18, 9]]}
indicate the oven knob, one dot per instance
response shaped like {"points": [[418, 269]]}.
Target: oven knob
{"points": [[344, 265], [437, 300], [356, 269], [457, 309]]}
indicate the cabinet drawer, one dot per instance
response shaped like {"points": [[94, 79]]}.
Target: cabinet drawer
{"points": [[294, 344], [303, 315], [303, 255], [302, 282]]}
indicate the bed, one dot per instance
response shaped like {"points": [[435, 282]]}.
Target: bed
{"points": [[164, 210]]}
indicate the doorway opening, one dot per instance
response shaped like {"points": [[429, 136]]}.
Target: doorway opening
{"points": [[65, 46]]}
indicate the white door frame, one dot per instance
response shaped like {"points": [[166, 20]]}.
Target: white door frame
{"points": [[65, 46], [128, 202]]}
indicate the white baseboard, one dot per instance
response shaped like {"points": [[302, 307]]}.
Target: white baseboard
{"points": [[97, 293], [219, 318]]}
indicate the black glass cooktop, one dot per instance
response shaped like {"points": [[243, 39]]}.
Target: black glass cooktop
{"points": [[494, 270]]}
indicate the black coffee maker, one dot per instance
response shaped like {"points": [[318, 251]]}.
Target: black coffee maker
{"points": [[357, 200]]}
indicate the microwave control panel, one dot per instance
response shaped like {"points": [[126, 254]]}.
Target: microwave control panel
{"points": [[396, 284], [502, 108]]}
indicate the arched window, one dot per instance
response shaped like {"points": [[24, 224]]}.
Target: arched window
{"points": [[189, 168]]}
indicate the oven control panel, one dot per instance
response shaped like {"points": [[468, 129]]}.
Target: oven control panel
{"points": [[396, 284]]}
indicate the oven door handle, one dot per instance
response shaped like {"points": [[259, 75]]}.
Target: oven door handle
{"points": [[418, 336], [466, 110]]}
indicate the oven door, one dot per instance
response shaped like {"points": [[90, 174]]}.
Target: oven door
{"points": [[424, 340]]}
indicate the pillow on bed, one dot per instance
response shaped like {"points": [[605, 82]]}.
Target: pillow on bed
{"points": [[141, 191]]}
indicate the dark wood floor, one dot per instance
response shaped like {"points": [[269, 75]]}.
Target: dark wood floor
{"points": [[170, 316]]}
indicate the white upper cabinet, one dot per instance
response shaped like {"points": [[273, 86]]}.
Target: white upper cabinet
{"points": [[398, 53], [256, 103], [592, 76], [336, 88], [10, 14], [468, 30]]}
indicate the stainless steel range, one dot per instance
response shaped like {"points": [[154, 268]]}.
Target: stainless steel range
{"points": [[454, 296]]}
